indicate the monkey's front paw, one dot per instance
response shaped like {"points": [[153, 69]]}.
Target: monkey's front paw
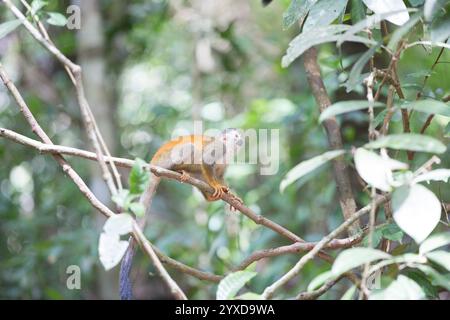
{"points": [[219, 190], [184, 176]]}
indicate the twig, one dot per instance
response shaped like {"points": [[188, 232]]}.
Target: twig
{"points": [[373, 193], [147, 246], [75, 73], [298, 247], [128, 163], [369, 83], [390, 111], [341, 174], [312, 295], [270, 290], [37, 129], [229, 198]]}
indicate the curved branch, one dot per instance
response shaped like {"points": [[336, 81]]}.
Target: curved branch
{"points": [[270, 290], [227, 197]]}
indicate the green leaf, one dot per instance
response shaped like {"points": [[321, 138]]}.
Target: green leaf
{"points": [[232, 283], [319, 280], [121, 198], [436, 278], [307, 166], [354, 257], [440, 257], [375, 169], [431, 8], [119, 224], [376, 238], [137, 208], [56, 19], [111, 250], [367, 23], [429, 106], [440, 29], [392, 232], [434, 242], [250, 296], [37, 5], [408, 141], [306, 40], [398, 13], [358, 11], [8, 27], [416, 211], [380, 118], [138, 177], [435, 175], [403, 288], [323, 13], [355, 74], [400, 33], [298, 9], [346, 106], [416, 3], [421, 279]]}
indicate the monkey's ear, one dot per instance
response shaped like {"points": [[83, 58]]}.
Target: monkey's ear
{"points": [[266, 2]]}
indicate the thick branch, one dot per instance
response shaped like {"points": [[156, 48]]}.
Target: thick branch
{"points": [[340, 169]]}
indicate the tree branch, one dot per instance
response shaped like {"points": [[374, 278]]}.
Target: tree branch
{"points": [[137, 233], [127, 163], [341, 174], [270, 290]]}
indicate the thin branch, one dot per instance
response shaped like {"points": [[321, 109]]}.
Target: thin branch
{"points": [[341, 174], [270, 290], [312, 295], [37, 129], [127, 163], [75, 73], [298, 247], [147, 246], [390, 111]]}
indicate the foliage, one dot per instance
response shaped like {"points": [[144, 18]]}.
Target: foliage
{"points": [[167, 66]]}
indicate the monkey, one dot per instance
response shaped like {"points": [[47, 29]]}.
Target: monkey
{"points": [[198, 156]]}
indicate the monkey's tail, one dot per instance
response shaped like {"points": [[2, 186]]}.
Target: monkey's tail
{"points": [[125, 285]]}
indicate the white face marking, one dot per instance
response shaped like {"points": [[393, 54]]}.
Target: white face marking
{"points": [[232, 139]]}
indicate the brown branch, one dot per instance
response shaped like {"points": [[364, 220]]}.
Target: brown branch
{"points": [[36, 128], [127, 163], [75, 74], [229, 198], [137, 233], [296, 248], [270, 290], [390, 111], [312, 295], [332, 128]]}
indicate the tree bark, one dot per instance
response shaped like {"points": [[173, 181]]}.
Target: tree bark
{"points": [[340, 170]]}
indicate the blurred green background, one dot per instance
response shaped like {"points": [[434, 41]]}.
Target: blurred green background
{"points": [[151, 68]]}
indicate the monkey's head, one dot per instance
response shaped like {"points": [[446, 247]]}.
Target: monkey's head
{"points": [[231, 138]]}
